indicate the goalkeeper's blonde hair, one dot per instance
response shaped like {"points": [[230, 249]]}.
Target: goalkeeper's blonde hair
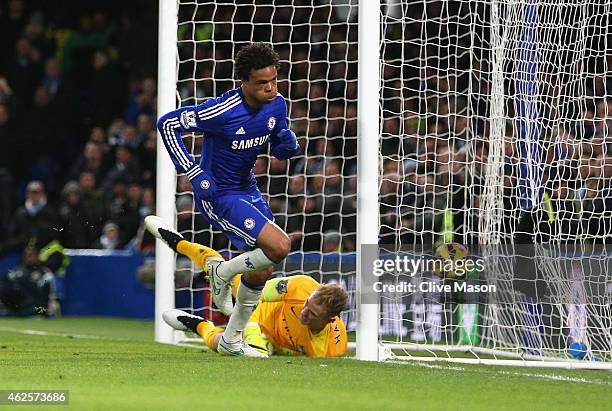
{"points": [[333, 297]]}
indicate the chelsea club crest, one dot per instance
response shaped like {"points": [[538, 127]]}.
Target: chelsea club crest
{"points": [[271, 123]]}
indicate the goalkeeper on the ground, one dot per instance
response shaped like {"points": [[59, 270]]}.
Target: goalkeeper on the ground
{"points": [[295, 316]]}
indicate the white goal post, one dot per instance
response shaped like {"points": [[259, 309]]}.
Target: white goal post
{"points": [[424, 123]]}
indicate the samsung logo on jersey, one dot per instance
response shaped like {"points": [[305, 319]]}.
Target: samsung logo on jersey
{"points": [[251, 142]]}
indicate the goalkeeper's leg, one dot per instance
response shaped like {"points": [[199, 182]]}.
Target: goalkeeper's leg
{"points": [[183, 321], [199, 254]]}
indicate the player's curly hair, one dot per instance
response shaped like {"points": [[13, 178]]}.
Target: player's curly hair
{"points": [[254, 56], [333, 297]]}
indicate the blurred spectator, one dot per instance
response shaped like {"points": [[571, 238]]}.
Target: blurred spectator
{"points": [[142, 100], [8, 168], [596, 205], [6, 92], [98, 136], [144, 241], [333, 196], [134, 195], [106, 89], [9, 133], [123, 209], [34, 221], [125, 168], [11, 25], [92, 34], [93, 201], [147, 157], [23, 69], [109, 240], [260, 169], [146, 272], [192, 229], [36, 32], [130, 137], [331, 242], [92, 160], [78, 231], [115, 131], [277, 172], [27, 289], [59, 89], [147, 203], [144, 126]]}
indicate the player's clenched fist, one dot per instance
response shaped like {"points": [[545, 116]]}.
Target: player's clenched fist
{"points": [[203, 185], [285, 145]]}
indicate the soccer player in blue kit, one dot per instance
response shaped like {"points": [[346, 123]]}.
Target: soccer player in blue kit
{"points": [[237, 127]]}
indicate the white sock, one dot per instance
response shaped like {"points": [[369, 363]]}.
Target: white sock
{"points": [[253, 260], [246, 300]]}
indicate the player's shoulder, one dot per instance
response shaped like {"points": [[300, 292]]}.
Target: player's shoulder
{"points": [[302, 279], [274, 111], [279, 103], [279, 99], [301, 286], [218, 105], [232, 94]]}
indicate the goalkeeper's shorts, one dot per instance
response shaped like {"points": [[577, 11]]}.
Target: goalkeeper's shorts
{"points": [[239, 216]]}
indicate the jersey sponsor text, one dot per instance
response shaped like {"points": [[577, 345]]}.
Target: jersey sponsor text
{"points": [[251, 142]]}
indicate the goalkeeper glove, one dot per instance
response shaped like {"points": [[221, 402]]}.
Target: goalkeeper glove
{"points": [[203, 185], [256, 339], [286, 145]]}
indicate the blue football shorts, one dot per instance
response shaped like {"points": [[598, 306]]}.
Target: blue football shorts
{"points": [[239, 216]]}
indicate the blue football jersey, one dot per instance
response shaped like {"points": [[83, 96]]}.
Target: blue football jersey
{"points": [[234, 135]]}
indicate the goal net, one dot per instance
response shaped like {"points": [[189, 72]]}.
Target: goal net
{"points": [[313, 197], [495, 130], [493, 119]]}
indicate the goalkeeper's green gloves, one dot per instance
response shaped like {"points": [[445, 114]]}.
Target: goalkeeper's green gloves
{"points": [[256, 339]]}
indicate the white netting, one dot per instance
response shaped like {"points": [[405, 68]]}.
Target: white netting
{"points": [[489, 109], [312, 197], [496, 117]]}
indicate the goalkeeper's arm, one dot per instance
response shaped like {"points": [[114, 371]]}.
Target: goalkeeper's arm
{"points": [[255, 338], [258, 340]]}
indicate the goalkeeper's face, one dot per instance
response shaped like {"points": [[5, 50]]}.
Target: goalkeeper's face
{"points": [[261, 87], [314, 315]]}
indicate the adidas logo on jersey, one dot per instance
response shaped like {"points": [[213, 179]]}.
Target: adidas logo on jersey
{"points": [[240, 131]]}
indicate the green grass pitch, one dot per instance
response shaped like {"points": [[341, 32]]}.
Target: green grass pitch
{"points": [[111, 364]]}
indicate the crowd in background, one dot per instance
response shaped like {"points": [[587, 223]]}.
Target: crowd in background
{"points": [[77, 122], [77, 118]]}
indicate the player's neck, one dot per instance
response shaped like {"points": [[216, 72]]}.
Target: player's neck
{"points": [[250, 101]]}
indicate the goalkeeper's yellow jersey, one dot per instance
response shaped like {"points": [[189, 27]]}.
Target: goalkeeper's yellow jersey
{"points": [[278, 316]]}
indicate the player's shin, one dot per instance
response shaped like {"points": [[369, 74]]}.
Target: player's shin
{"points": [[196, 252], [250, 261], [246, 300], [210, 334]]}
